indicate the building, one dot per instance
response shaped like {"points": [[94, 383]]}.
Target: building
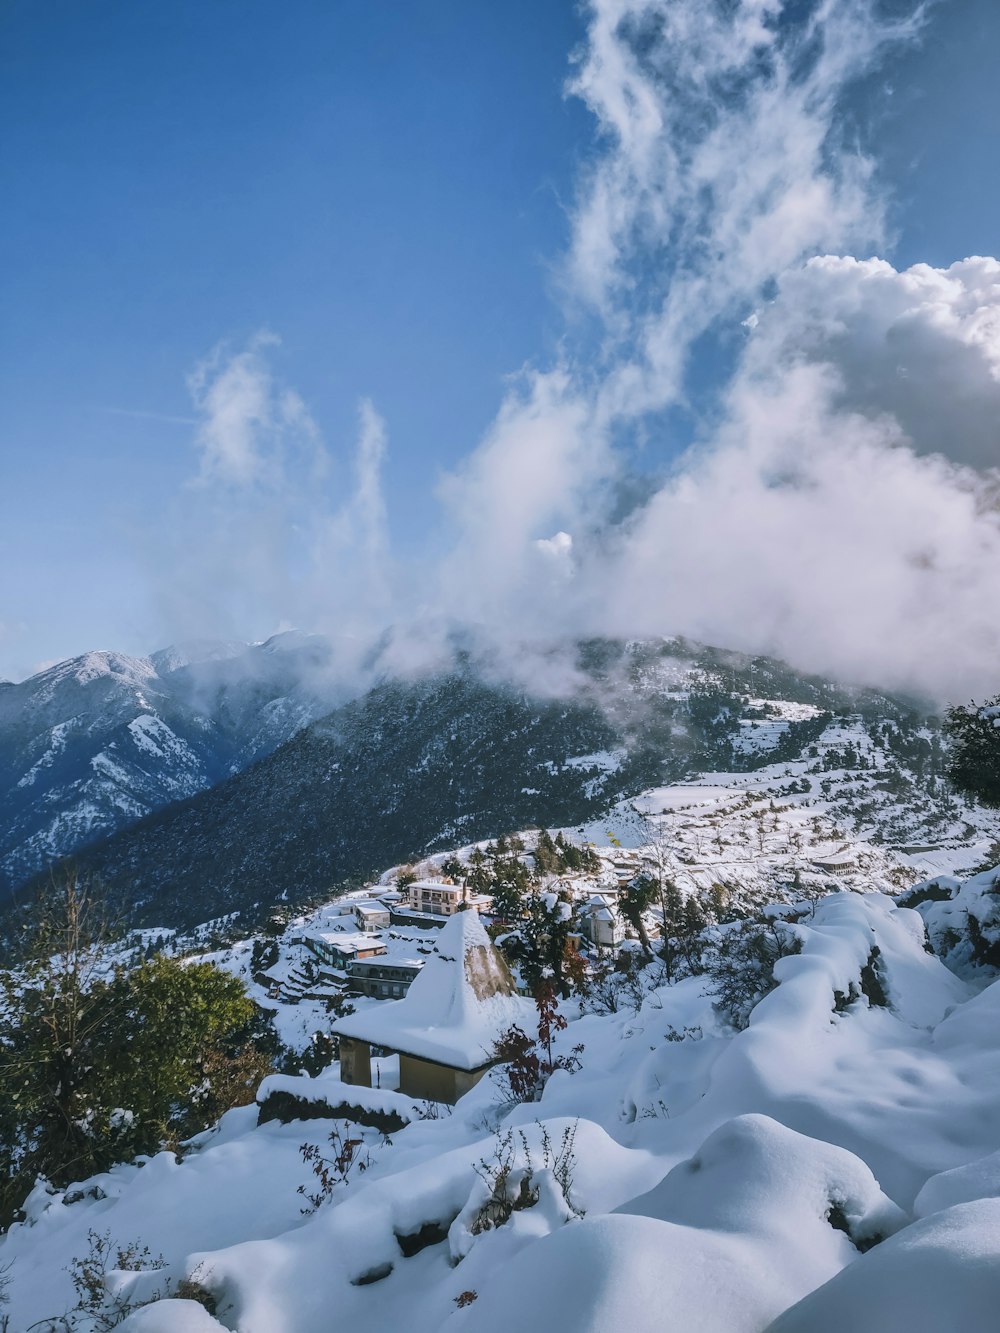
{"points": [[337, 949], [382, 978], [838, 863], [601, 924], [446, 1026], [625, 866], [433, 898], [370, 916]]}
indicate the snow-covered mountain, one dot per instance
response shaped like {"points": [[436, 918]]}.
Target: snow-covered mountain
{"points": [[214, 779], [93, 744], [417, 765], [794, 1132]]}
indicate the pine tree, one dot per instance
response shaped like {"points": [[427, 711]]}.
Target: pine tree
{"points": [[634, 901], [453, 869], [542, 941], [545, 854], [974, 761]]}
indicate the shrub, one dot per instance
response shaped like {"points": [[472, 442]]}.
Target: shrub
{"points": [[524, 1063], [741, 964], [512, 1181], [89, 1273], [347, 1161]]}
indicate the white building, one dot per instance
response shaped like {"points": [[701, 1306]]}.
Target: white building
{"points": [[371, 916], [436, 899], [601, 923]]}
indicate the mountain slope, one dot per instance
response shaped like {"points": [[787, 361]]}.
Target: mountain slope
{"points": [[93, 744], [829, 1165], [414, 767]]}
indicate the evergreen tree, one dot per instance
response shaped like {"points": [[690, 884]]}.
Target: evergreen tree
{"points": [[672, 915], [479, 877], [453, 869], [510, 883], [974, 761], [637, 898], [100, 1062], [541, 941], [546, 855]]}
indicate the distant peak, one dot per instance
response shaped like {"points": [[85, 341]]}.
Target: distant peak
{"points": [[292, 640], [192, 652], [100, 662]]}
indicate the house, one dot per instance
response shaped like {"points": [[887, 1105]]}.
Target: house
{"points": [[601, 925], [337, 949], [382, 978], [433, 898], [371, 916], [840, 863], [625, 867], [445, 1028]]}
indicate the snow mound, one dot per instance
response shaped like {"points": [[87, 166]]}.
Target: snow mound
{"points": [[171, 1316], [940, 1273], [962, 920], [758, 1218], [963, 1184], [754, 1175]]}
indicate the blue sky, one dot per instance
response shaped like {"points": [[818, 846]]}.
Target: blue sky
{"points": [[379, 184], [387, 187]]}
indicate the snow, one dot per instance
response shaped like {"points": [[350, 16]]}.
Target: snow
{"points": [[171, 1316], [152, 735], [456, 1008], [607, 760], [744, 1223], [940, 1273], [976, 1180], [327, 1089], [833, 1166], [56, 745]]}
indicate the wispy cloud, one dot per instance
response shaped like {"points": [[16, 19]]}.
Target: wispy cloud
{"points": [[250, 426], [841, 507]]}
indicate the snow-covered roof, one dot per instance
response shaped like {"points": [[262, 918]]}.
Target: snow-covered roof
{"points": [[388, 960], [456, 1008], [344, 942]]}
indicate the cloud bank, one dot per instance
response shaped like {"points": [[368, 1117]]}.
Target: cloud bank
{"points": [[839, 505]]}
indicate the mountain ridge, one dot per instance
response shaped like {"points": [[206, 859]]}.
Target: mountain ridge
{"points": [[93, 743], [413, 766]]}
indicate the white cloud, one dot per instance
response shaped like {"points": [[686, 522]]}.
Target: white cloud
{"points": [[845, 514], [352, 580], [817, 534], [724, 166], [538, 468], [272, 532], [923, 345], [842, 509], [248, 422]]}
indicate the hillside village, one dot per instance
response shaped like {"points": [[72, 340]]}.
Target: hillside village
{"points": [[853, 816], [531, 1043]]}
